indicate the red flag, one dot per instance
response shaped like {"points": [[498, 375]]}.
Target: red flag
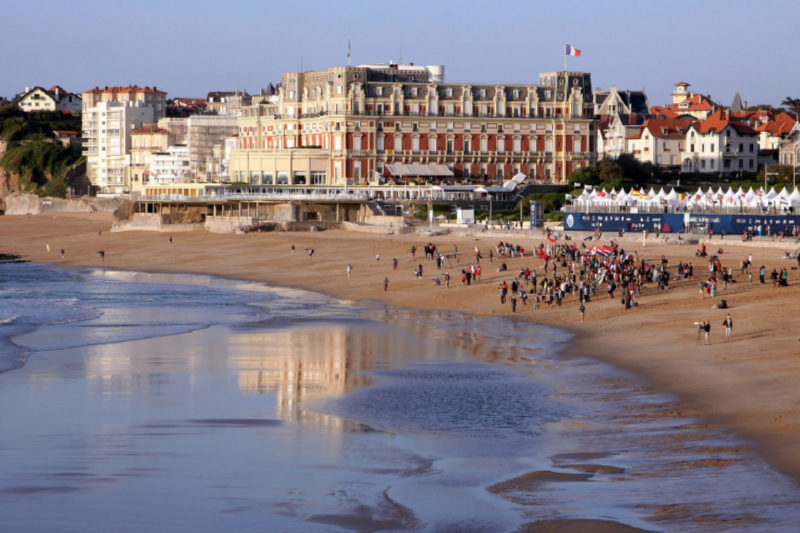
{"points": [[551, 239], [541, 252]]}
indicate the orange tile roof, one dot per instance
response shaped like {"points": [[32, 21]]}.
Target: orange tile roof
{"points": [[667, 127], [131, 89], [149, 129], [717, 122]]}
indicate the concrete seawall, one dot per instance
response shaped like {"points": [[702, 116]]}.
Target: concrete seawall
{"points": [[24, 204]]}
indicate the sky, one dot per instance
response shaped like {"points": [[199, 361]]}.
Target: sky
{"points": [[191, 48]]}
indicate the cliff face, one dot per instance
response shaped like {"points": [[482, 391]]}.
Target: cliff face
{"points": [[9, 183]]}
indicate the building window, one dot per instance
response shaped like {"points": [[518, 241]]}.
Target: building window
{"points": [[432, 145], [283, 178], [712, 148], [703, 163], [483, 93], [751, 148], [338, 89], [691, 148], [712, 163], [319, 178], [751, 163], [703, 147], [741, 163], [379, 91], [741, 148], [449, 146], [576, 146], [299, 178], [266, 178], [449, 93]]}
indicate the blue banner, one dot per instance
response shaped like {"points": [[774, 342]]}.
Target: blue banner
{"points": [[679, 222]]}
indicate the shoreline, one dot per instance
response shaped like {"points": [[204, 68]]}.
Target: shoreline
{"points": [[744, 385]]}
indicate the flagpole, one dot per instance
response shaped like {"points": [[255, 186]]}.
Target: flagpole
{"points": [[348, 51], [565, 62]]}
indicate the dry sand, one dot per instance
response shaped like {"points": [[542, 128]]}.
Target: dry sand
{"points": [[748, 384]]}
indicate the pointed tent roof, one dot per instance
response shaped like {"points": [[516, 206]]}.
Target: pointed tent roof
{"points": [[736, 105], [750, 194], [651, 194], [672, 195], [795, 196], [771, 194], [784, 193]]}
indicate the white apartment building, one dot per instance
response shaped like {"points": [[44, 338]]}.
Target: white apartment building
{"points": [[107, 131], [171, 166], [110, 115], [719, 145]]}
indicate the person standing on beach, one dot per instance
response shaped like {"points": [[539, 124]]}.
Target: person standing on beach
{"points": [[62, 253], [447, 280], [491, 256], [293, 249], [513, 305], [170, 240], [583, 312], [394, 264], [707, 330], [762, 274], [386, 284], [310, 253], [100, 233], [349, 270], [728, 323]]}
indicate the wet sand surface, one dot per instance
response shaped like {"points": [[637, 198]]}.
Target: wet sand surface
{"points": [[650, 460]]}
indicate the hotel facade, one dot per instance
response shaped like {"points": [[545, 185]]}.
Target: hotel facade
{"points": [[361, 123]]}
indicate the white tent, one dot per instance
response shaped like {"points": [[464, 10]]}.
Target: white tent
{"points": [[749, 195], [794, 198], [622, 196], [771, 194], [651, 194]]}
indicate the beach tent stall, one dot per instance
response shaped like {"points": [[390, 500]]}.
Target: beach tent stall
{"points": [[794, 198]]}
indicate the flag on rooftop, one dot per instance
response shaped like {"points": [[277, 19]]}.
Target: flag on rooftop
{"points": [[572, 51]]}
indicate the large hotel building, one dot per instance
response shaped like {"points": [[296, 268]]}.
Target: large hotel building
{"points": [[371, 123]]}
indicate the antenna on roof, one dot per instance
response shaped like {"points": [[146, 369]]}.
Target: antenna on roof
{"points": [[400, 62]]}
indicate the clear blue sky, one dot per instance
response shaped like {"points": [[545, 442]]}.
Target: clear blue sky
{"points": [[190, 48]]}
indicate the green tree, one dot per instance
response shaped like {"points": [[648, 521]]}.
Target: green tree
{"points": [[609, 170], [784, 176], [588, 175], [792, 104]]}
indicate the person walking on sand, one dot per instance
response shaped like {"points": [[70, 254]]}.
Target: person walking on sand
{"points": [[394, 264], [349, 270], [100, 233], [62, 253], [707, 331], [582, 309], [377, 257], [447, 281], [170, 240], [728, 323], [293, 249], [310, 253], [513, 305], [386, 284]]}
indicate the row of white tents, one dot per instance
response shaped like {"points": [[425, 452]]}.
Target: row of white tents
{"points": [[701, 198]]}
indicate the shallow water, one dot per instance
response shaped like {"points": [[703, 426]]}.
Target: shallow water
{"points": [[187, 403]]}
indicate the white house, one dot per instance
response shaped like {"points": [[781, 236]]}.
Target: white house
{"points": [[53, 99], [660, 141], [720, 145]]}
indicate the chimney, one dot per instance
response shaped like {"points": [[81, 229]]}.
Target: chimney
{"points": [[744, 104], [155, 88]]}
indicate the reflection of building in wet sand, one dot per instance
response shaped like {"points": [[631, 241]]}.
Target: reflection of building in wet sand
{"points": [[304, 364]]}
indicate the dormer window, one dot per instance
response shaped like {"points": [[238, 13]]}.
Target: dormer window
{"points": [[414, 92], [548, 81], [515, 94], [483, 93], [379, 91], [449, 93]]}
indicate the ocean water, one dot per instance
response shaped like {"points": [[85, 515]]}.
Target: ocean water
{"points": [[136, 402]]}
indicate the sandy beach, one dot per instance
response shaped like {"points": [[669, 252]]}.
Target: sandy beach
{"points": [[746, 384]]}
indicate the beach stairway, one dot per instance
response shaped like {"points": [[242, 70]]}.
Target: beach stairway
{"points": [[376, 208]]}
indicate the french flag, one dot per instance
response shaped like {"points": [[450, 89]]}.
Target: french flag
{"points": [[572, 51]]}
